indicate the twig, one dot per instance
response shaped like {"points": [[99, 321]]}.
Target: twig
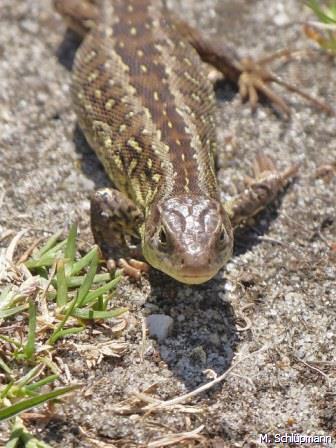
{"points": [[30, 249], [6, 234], [207, 386], [12, 245], [95, 442], [316, 369], [143, 339], [174, 439]]}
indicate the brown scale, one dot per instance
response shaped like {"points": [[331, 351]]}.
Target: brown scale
{"points": [[114, 118], [150, 79], [203, 114], [91, 73]]}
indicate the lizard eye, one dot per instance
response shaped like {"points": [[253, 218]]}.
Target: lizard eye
{"points": [[163, 237]]}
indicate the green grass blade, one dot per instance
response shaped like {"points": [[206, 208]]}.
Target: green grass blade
{"points": [[56, 249], [29, 403], [14, 441], [92, 314], [4, 393], [316, 8], [70, 248], [74, 282], [66, 332], [53, 338], [43, 382], [11, 311], [99, 305], [4, 367], [51, 242], [93, 295], [10, 340], [86, 285], [15, 438], [29, 376], [46, 260], [84, 261], [20, 437], [332, 9], [42, 272], [62, 287]]}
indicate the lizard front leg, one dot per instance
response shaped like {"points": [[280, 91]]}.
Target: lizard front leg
{"points": [[115, 223], [261, 191]]}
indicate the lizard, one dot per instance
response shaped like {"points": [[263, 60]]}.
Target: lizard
{"points": [[147, 108]]}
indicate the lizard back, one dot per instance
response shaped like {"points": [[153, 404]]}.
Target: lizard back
{"points": [[145, 104], [147, 109]]}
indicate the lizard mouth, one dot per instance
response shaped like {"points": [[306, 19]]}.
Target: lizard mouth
{"points": [[193, 278]]}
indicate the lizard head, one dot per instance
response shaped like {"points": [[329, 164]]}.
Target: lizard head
{"points": [[188, 238]]}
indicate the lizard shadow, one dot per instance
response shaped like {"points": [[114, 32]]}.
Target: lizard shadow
{"points": [[66, 51], [204, 334], [90, 164], [226, 90], [248, 236]]}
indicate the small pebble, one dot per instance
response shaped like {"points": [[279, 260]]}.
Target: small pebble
{"points": [[159, 326]]}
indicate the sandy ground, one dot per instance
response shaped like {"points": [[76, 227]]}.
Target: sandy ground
{"points": [[277, 293]]}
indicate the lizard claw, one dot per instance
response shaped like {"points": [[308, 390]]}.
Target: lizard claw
{"points": [[255, 79], [132, 268], [261, 190], [266, 172], [264, 166]]}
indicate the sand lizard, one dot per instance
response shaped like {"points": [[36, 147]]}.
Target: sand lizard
{"points": [[146, 106]]}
